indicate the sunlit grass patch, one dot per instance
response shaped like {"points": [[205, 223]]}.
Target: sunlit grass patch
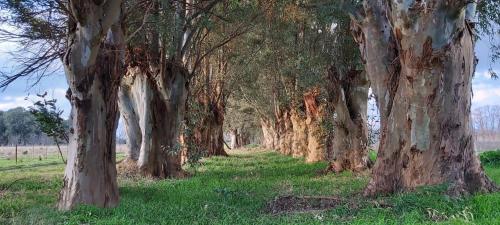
{"points": [[236, 190]]}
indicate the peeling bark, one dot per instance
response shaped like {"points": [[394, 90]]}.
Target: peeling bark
{"points": [[93, 71], [211, 138], [296, 133], [239, 138], [208, 132], [349, 98], [153, 108], [269, 135], [420, 60], [167, 112], [134, 98], [299, 126], [234, 139], [316, 136], [284, 131]]}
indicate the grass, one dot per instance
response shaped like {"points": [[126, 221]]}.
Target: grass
{"points": [[235, 190]]}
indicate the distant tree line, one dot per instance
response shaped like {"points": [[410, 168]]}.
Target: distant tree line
{"points": [[18, 126], [487, 121]]}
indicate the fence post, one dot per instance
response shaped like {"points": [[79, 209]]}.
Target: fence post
{"points": [[16, 153]]}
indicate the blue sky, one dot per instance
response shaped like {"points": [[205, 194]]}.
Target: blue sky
{"points": [[486, 90]]}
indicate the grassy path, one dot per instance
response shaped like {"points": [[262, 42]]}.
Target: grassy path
{"points": [[235, 190]]}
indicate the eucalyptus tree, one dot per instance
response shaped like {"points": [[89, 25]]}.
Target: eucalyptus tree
{"points": [[215, 81], [282, 83], [346, 87], [154, 90], [93, 70], [166, 51], [87, 37], [304, 95], [419, 56], [206, 108]]}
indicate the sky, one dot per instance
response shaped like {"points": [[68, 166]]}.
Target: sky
{"points": [[486, 90]]}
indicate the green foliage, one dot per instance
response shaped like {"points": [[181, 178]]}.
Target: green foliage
{"points": [[48, 118], [4, 138], [288, 52], [20, 125], [235, 190], [490, 158], [196, 113], [488, 19], [372, 155]]}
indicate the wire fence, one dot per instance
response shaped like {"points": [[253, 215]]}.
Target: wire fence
{"points": [[30, 152]]}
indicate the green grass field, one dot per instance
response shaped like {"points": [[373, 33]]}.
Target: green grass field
{"points": [[236, 190]]}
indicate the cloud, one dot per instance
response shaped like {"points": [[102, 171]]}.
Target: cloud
{"points": [[8, 46], [483, 74], [486, 89], [486, 96], [10, 102]]}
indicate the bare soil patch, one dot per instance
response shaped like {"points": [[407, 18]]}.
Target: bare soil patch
{"points": [[127, 168], [297, 204]]}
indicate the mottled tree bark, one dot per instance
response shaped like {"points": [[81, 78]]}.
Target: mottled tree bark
{"points": [[134, 101], [234, 139], [299, 126], [316, 135], [93, 71], [420, 60], [284, 131], [153, 101], [299, 134], [167, 111], [269, 135], [349, 98], [208, 132], [243, 137], [211, 137]]}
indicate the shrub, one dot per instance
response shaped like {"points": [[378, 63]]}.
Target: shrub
{"points": [[490, 158], [372, 155]]}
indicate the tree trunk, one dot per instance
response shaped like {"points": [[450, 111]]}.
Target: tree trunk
{"points": [[421, 71], [285, 132], [134, 98], [155, 105], [208, 133], [239, 138], [243, 138], [93, 72], [269, 135], [234, 139], [349, 98], [167, 111], [299, 126], [316, 135], [209, 136]]}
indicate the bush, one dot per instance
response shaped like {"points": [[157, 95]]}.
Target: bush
{"points": [[372, 155], [490, 158]]}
